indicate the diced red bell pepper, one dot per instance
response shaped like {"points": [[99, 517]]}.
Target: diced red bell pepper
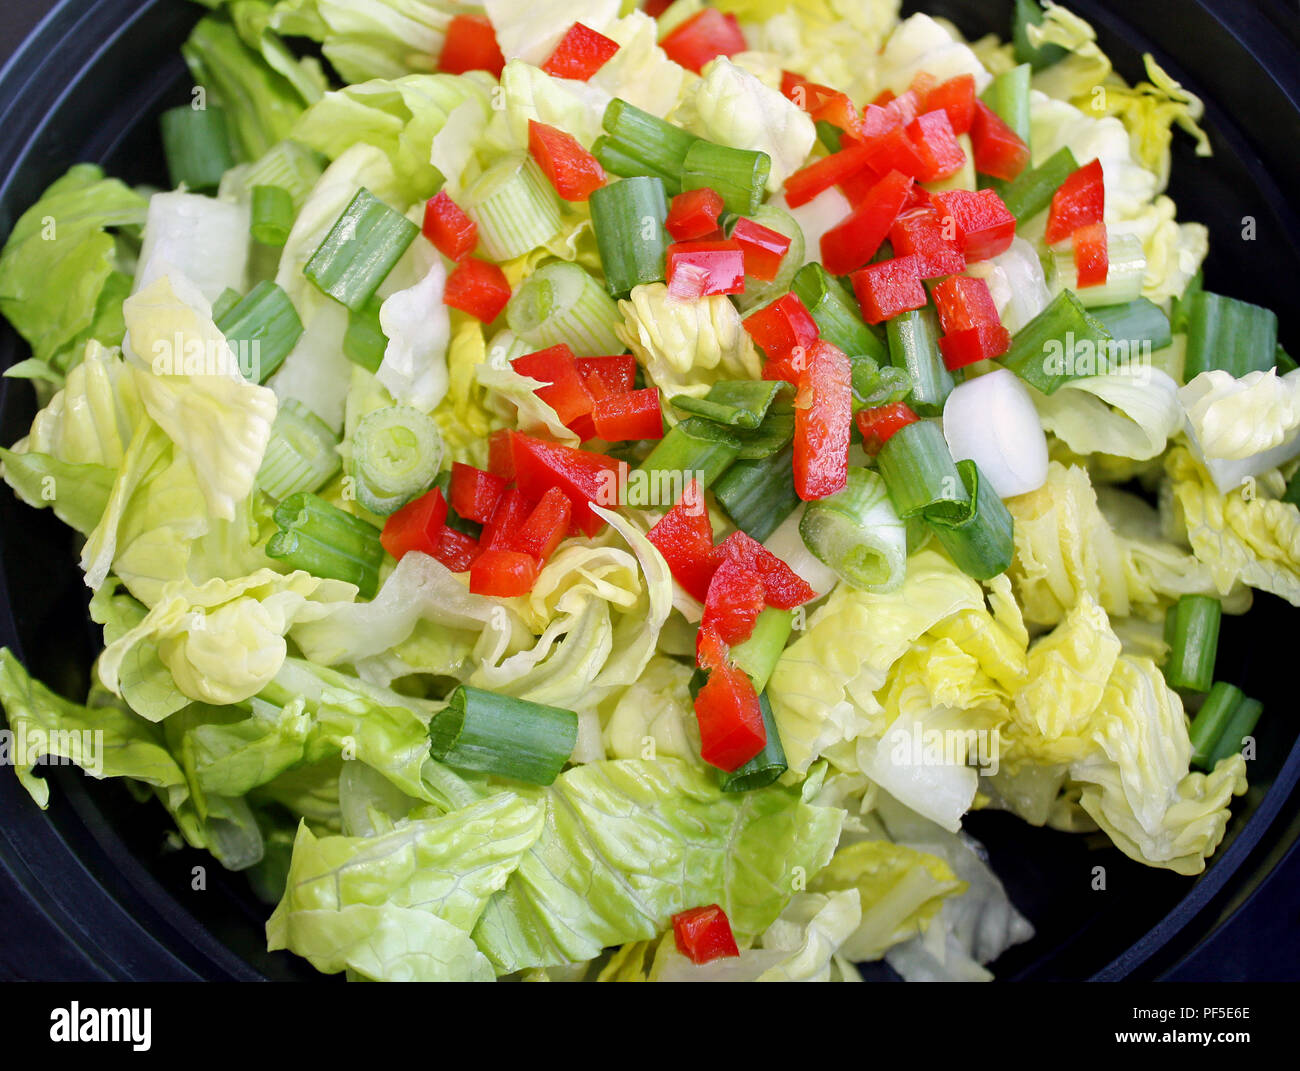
{"points": [[570, 168], [617, 375], [684, 537], [857, 186], [833, 170], [822, 103], [733, 603], [787, 369], [1081, 200], [983, 225], [999, 150], [504, 573], [702, 38], [512, 510], [941, 154], [586, 478], [701, 269], [501, 458], [565, 391], [849, 245], [655, 8], [781, 327], [888, 287], [905, 107], [894, 151], [879, 423], [471, 45], [1091, 255], [478, 288], [885, 96], [918, 233], [628, 417], [703, 934], [876, 121], [456, 550], [545, 526], [923, 84], [416, 526], [964, 302], [956, 97], [475, 493], [822, 418], [981, 343], [452, 232], [580, 54], [693, 214], [730, 718], [763, 247], [783, 588]]}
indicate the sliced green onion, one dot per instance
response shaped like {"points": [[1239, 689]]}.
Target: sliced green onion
{"points": [[1124, 276], [1179, 315], [561, 303], [982, 545], [1061, 343], [761, 292], [1030, 13], [1008, 95], [611, 156], [655, 147], [326, 541], [1192, 633], [226, 301], [501, 735], [364, 341], [741, 403], [505, 347], [290, 166], [921, 475], [396, 455], [776, 432], [1137, 325], [914, 347], [738, 176], [1283, 361], [831, 136], [1245, 716], [1032, 191], [858, 534], [759, 654], [874, 385], [628, 220], [265, 326], [758, 494], [197, 146], [1224, 333], [694, 447], [765, 767], [836, 313], [515, 208], [301, 454], [1211, 721], [272, 216], [359, 251]]}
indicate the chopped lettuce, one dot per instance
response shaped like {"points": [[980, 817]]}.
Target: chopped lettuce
{"points": [[1131, 411]]}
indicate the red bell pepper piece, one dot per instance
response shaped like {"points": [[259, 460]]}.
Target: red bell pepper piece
{"points": [[475, 493], [580, 54], [849, 245], [999, 150], [512, 510], [504, 573], [565, 391], [453, 233], [501, 459], [1091, 255], [885, 96], [964, 302], [781, 327], [941, 154], [628, 417], [822, 103], [733, 603], [783, 588], [981, 223], [956, 97], [655, 8], [570, 168], [700, 269], [416, 526], [857, 186], [471, 45], [894, 151], [879, 423], [983, 342], [684, 537], [478, 288], [727, 709], [609, 375], [876, 121], [693, 214], [1081, 200], [586, 478], [702, 38], [833, 170], [703, 934], [904, 108], [888, 287], [923, 84], [456, 550], [822, 419], [545, 526], [763, 247], [918, 233]]}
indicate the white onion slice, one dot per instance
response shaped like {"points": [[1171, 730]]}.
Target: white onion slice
{"points": [[788, 545], [825, 211], [992, 421]]}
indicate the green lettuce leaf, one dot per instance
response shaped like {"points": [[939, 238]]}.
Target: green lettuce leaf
{"points": [[78, 494], [530, 29], [1131, 411]]}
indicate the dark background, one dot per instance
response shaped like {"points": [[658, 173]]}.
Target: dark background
{"points": [[16, 19]]}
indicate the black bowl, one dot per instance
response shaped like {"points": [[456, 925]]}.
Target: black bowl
{"points": [[102, 891]]}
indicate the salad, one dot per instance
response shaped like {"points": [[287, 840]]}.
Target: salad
{"points": [[573, 491]]}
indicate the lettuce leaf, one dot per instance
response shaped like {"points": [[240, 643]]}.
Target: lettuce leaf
{"points": [[640, 72], [418, 327], [1235, 419], [1130, 411], [530, 29], [657, 709], [527, 93], [919, 43]]}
